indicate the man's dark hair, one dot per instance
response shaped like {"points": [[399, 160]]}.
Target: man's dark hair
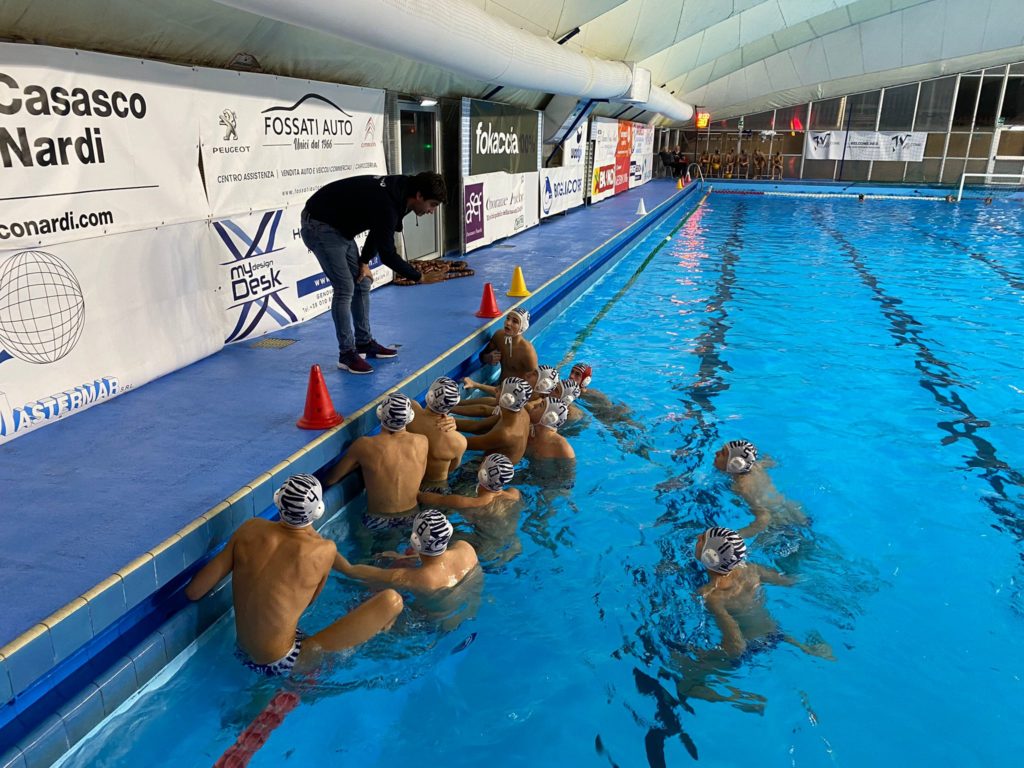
{"points": [[430, 185]]}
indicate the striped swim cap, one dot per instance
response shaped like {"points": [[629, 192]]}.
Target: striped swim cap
{"points": [[443, 395], [723, 550], [496, 471], [514, 393], [395, 412], [555, 413], [300, 500], [431, 533], [742, 455], [547, 379]]}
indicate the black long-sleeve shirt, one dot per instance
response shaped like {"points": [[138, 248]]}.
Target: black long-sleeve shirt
{"points": [[361, 203]]}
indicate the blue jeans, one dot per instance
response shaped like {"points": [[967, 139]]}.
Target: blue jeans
{"points": [[339, 259]]}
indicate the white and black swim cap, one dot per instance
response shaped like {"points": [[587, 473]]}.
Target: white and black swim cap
{"points": [[300, 500], [723, 550], [555, 413], [431, 533], [496, 471], [395, 412], [570, 390], [547, 379], [514, 393], [443, 395], [524, 318], [742, 455]]}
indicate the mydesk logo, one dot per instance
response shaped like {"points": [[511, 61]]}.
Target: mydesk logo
{"points": [[494, 142], [256, 284]]}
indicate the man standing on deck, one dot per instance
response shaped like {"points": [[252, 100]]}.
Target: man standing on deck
{"points": [[332, 218]]}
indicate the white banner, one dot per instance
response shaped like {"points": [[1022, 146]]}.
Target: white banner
{"points": [[496, 205], [273, 141], [560, 189], [903, 146], [84, 321], [574, 147], [641, 161], [604, 132], [94, 144]]}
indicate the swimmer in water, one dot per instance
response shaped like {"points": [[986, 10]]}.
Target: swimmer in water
{"points": [[543, 381], [545, 442], [510, 348], [508, 430], [738, 458], [440, 566], [279, 569], [445, 445]]}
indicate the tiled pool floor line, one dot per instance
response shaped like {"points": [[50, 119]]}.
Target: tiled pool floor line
{"points": [[132, 493]]}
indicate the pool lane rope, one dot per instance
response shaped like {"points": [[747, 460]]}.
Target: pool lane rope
{"points": [[258, 731]]}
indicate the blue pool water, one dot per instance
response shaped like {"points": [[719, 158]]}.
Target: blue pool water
{"points": [[873, 351]]}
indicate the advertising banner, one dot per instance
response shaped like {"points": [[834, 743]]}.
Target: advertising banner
{"points": [[574, 147], [502, 138], [273, 141], [641, 162], [94, 144], [604, 132], [496, 205], [84, 321], [560, 189], [903, 146], [623, 152]]}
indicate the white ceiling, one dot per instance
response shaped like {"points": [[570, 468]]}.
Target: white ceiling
{"points": [[731, 56]]}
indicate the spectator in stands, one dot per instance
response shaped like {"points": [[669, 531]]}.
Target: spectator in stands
{"points": [[742, 164], [777, 166], [332, 218]]}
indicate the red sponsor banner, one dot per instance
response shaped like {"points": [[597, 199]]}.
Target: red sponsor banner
{"points": [[623, 150], [604, 179]]}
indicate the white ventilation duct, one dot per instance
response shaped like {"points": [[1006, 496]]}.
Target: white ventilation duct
{"points": [[460, 37]]}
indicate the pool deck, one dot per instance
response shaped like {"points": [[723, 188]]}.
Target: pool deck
{"points": [[106, 486]]}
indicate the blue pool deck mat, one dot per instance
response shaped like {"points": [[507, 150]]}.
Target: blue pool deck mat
{"points": [[121, 499]]}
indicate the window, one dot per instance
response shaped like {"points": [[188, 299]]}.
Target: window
{"points": [[826, 115], [934, 104], [1013, 101], [898, 108], [963, 112], [989, 100], [862, 111], [763, 121]]}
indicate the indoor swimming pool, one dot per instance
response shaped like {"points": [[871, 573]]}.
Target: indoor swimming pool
{"points": [[872, 351]]}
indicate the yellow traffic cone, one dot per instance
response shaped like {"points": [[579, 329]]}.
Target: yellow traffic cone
{"points": [[679, 183], [518, 288]]}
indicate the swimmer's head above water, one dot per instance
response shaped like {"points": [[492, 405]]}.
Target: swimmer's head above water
{"points": [[555, 413], [517, 321], [300, 501], [443, 395], [547, 379], [514, 393], [582, 373], [720, 550], [736, 457], [496, 471], [568, 390], [395, 412], [431, 532]]}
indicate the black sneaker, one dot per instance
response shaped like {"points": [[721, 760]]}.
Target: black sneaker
{"points": [[353, 363], [373, 349]]}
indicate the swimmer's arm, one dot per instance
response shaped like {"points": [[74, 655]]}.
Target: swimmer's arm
{"points": [[475, 407], [761, 519], [771, 576], [488, 442], [348, 463], [210, 574], [456, 462], [475, 427], [469, 383], [491, 354], [451, 501], [367, 572], [732, 638]]}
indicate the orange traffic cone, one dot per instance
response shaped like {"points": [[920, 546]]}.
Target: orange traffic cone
{"points": [[518, 289], [488, 303], [688, 179], [319, 413]]}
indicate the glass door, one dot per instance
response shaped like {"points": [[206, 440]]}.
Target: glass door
{"points": [[418, 144]]}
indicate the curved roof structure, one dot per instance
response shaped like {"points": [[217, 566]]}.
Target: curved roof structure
{"points": [[732, 56]]}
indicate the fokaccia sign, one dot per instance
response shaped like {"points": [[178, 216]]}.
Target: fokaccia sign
{"points": [[502, 138]]}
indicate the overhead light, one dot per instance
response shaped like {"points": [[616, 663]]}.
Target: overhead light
{"points": [[426, 101]]}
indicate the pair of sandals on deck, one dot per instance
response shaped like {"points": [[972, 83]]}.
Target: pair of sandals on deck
{"points": [[451, 270]]}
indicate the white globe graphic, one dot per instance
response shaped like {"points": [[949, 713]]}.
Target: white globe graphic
{"points": [[42, 311]]}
